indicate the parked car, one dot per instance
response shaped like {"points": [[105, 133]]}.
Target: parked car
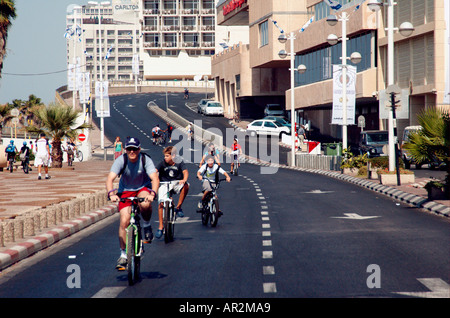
{"points": [[407, 159], [374, 142], [267, 127], [281, 120], [273, 110], [200, 105], [213, 108]]}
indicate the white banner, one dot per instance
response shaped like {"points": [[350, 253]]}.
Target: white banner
{"points": [[447, 53], [101, 88], [84, 86], [71, 77], [337, 116], [135, 64], [102, 110]]}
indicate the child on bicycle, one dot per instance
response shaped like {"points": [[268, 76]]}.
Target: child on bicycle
{"points": [[236, 151], [208, 171], [156, 133], [177, 172]]}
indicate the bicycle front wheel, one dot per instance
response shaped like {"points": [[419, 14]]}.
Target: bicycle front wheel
{"points": [[214, 218], [133, 261], [169, 222]]}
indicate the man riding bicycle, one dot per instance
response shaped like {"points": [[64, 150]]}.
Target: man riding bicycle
{"points": [[25, 156], [156, 133], [177, 174], [208, 172], [138, 178], [11, 151], [211, 151], [236, 151]]}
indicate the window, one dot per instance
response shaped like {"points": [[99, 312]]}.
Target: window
{"points": [[269, 124], [319, 62], [264, 33]]}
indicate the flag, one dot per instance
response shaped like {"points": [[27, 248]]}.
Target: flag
{"points": [[109, 52], [223, 45], [69, 33], [311, 20], [359, 5], [275, 23], [333, 4]]}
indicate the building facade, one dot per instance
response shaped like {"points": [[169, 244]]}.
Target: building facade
{"points": [[174, 39], [420, 60]]}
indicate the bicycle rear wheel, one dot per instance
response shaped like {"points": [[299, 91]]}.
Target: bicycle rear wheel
{"points": [[80, 155], [169, 222], [133, 261]]}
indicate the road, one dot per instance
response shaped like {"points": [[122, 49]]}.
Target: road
{"points": [[285, 235]]}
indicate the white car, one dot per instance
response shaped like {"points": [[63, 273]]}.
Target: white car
{"points": [[267, 127], [213, 108], [200, 105]]}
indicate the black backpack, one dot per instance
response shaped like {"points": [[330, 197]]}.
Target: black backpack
{"points": [[125, 161]]}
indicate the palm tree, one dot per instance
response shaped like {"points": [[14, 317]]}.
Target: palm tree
{"points": [[432, 141], [7, 12], [5, 116], [57, 122]]}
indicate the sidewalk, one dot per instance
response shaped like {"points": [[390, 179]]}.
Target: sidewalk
{"points": [[37, 213]]}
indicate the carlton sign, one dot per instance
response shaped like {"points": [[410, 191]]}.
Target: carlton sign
{"points": [[234, 4]]}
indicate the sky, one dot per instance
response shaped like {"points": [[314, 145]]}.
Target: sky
{"points": [[36, 45]]}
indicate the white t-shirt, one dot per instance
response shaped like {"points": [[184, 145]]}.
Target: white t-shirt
{"points": [[41, 147], [209, 173]]}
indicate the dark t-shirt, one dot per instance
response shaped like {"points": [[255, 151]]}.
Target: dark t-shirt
{"points": [[170, 173]]}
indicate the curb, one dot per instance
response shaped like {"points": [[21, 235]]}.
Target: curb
{"points": [[43, 240], [408, 198]]}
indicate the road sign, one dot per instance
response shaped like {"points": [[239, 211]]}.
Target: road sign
{"points": [[81, 137]]}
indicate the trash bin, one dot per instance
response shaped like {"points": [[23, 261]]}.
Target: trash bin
{"points": [[333, 149]]}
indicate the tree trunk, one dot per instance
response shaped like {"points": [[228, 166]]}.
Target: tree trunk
{"points": [[57, 154]]}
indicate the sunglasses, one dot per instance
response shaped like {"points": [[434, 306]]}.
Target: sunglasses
{"points": [[132, 149]]}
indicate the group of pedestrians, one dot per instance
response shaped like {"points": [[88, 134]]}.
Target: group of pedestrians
{"points": [[140, 177], [41, 150]]}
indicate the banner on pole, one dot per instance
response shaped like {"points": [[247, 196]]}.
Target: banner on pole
{"points": [[84, 86], [337, 112]]}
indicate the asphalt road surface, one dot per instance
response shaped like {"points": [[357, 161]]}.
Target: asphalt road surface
{"points": [[286, 234]]}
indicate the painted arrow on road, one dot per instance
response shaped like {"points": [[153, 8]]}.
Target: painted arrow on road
{"points": [[439, 289], [354, 216], [318, 192]]}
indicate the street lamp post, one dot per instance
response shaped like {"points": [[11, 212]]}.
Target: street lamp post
{"points": [[301, 69], [102, 119], [406, 29], [355, 58]]}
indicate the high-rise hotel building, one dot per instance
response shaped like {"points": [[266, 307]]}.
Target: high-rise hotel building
{"points": [[174, 39]]}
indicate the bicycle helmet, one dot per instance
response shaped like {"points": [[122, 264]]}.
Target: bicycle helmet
{"points": [[24, 143], [12, 142]]}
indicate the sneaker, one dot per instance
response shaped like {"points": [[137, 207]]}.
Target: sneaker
{"points": [[179, 212], [200, 204], [47, 177], [39, 177], [148, 234], [159, 233], [121, 263]]}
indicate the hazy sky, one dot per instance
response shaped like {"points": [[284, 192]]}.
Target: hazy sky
{"points": [[36, 45]]}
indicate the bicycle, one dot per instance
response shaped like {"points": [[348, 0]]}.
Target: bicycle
{"points": [[26, 164], [210, 211], [169, 215], [235, 164], [11, 161], [78, 155], [134, 243]]}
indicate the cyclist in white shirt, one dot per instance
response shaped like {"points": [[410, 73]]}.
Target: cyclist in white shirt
{"points": [[208, 172], [42, 156], [156, 132]]}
